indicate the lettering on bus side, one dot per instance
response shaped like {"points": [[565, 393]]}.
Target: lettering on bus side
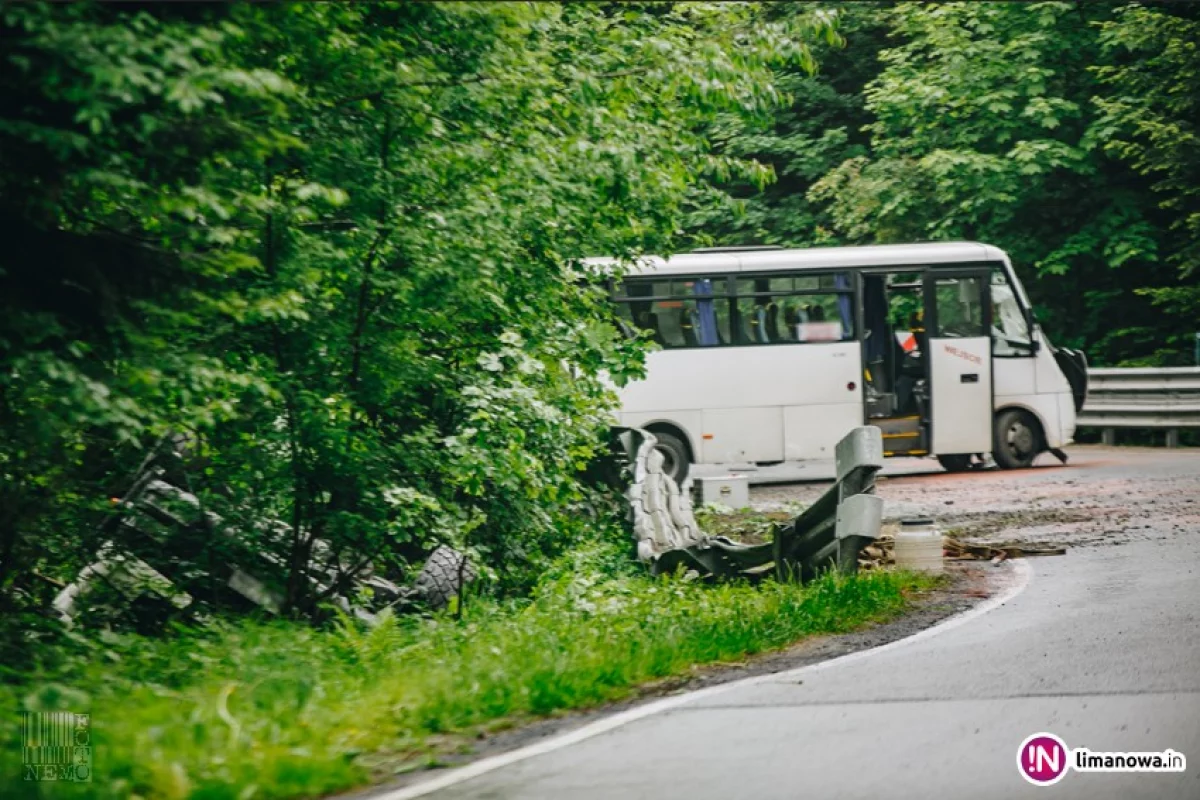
{"points": [[954, 351]]}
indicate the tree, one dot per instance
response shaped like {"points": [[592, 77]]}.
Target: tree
{"points": [[995, 121], [818, 127], [985, 130], [359, 230], [1149, 109]]}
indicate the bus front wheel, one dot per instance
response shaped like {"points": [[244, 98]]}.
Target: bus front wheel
{"points": [[675, 455], [1017, 439]]}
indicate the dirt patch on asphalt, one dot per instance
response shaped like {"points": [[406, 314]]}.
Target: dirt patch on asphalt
{"points": [[1103, 497], [981, 524], [967, 584]]}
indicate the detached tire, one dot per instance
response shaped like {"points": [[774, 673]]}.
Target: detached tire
{"points": [[675, 455], [440, 579], [1016, 439], [955, 462]]}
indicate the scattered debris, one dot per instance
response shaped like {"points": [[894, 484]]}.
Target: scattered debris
{"points": [[833, 530], [953, 548], [882, 552], [148, 561]]}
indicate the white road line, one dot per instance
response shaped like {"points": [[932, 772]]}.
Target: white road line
{"points": [[484, 766]]}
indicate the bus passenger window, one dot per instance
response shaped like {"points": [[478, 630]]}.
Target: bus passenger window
{"points": [[678, 313], [756, 315], [721, 309], [784, 309], [673, 322], [688, 323], [633, 317]]}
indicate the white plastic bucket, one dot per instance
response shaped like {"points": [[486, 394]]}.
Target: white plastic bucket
{"points": [[919, 546]]}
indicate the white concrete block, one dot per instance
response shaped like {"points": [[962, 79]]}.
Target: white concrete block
{"points": [[728, 490]]}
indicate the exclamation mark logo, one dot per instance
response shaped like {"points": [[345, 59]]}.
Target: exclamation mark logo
{"points": [[1042, 759]]}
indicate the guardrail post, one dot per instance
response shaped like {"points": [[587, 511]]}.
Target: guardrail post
{"points": [[1108, 437], [843, 520], [1173, 437], [858, 521]]}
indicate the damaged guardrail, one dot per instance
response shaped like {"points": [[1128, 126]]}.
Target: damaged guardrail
{"points": [[163, 552], [830, 533]]}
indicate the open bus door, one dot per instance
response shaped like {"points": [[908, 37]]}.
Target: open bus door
{"points": [[959, 357], [896, 372], [927, 352]]}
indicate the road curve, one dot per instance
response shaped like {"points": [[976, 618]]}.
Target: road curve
{"points": [[1101, 648]]}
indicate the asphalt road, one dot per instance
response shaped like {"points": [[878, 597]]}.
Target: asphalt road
{"points": [[1101, 647]]}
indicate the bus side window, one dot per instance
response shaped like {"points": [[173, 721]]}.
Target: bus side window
{"points": [[721, 306], [625, 324], [682, 322], [753, 318], [638, 317], [672, 321], [767, 315]]}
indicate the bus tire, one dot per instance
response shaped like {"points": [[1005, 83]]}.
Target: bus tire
{"points": [[955, 462], [1016, 439], [676, 458]]}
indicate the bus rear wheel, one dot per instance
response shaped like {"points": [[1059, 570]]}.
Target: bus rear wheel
{"points": [[1016, 440], [675, 455], [955, 462]]}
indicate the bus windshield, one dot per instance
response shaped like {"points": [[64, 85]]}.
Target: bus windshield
{"points": [[1010, 331]]}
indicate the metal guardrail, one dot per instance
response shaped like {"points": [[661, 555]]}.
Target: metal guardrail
{"points": [[1142, 397], [829, 533]]}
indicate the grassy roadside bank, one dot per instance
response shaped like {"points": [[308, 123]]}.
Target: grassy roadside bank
{"points": [[275, 710]]}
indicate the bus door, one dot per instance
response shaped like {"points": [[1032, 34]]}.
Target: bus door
{"points": [[896, 384], [958, 327]]}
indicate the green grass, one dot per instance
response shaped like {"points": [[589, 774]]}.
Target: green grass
{"points": [[744, 525], [276, 709]]}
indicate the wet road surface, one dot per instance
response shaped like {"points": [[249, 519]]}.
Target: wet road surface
{"points": [[1101, 647]]}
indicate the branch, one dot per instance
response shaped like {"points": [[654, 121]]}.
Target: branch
{"points": [[378, 94], [364, 287]]}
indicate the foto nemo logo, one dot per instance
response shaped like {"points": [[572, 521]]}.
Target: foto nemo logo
{"points": [[1042, 759]]}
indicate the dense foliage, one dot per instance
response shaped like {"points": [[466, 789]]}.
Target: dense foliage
{"points": [[1063, 132], [339, 244]]}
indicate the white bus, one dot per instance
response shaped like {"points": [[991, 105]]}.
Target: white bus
{"points": [[770, 355]]}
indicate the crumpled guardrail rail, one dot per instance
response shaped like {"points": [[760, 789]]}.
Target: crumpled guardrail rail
{"points": [[831, 532], [1142, 397]]}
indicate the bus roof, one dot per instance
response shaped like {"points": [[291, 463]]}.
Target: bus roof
{"points": [[886, 255]]}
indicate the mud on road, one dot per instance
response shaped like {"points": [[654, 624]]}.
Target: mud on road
{"points": [[1102, 496]]}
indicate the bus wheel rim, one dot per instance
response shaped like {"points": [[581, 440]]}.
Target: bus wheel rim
{"points": [[1020, 439]]}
